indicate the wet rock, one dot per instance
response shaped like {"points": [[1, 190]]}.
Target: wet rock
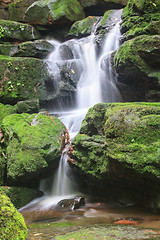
{"points": [[28, 106], [71, 204], [36, 49], [83, 27]]}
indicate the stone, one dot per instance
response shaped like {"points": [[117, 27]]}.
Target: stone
{"points": [[32, 147], [71, 204], [136, 63], [12, 222], [20, 196], [28, 106], [117, 150], [22, 79], [83, 27], [54, 12], [36, 49], [15, 31]]}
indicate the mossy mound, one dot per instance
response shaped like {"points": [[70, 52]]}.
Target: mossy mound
{"points": [[20, 196], [119, 144], [83, 27], [6, 110], [127, 132], [22, 79], [50, 12], [15, 31], [11, 221], [137, 64], [32, 146]]}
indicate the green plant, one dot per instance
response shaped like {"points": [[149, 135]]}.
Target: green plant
{"points": [[9, 64], [22, 27], [2, 30]]}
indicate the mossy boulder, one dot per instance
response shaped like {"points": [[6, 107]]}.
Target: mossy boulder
{"points": [[50, 12], [28, 106], [118, 145], [14, 31], [20, 196], [83, 27], [6, 110], [91, 3], [32, 147], [11, 221], [137, 64], [36, 49], [17, 9], [22, 79]]}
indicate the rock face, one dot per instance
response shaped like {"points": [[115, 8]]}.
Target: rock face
{"points": [[32, 147], [12, 222], [22, 79], [15, 31], [140, 27], [51, 12], [118, 145]]}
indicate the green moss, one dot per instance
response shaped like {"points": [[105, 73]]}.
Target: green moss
{"points": [[138, 55], [17, 31], [33, 142], [6, 110], [47, 12], [21, 78], [19, 196], [83, 27], [11, 221], [131, 132]]}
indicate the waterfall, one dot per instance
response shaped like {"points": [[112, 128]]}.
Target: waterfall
{"points": [[97, 83]]}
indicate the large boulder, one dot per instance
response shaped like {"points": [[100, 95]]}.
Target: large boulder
{"points": [[22, 79], [33, 146], [15, 31], [36, 49], [54, 12], [137, 64], [12, 222], [118, 145]]}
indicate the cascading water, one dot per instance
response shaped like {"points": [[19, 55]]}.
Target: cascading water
{"points": [[97, 84]]}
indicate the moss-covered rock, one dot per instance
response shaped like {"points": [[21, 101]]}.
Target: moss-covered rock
{"points": [[83, 27], [17, 9], [22, 79], [6, 110], [36, 49], [119, 145], [15, 31], [28, 106], [8, 48], [32, 146], [137, 63], [20, 196], [51, 12], [11, 221]]}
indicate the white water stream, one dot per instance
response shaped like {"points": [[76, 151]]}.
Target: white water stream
{"points": [[94, 86]]}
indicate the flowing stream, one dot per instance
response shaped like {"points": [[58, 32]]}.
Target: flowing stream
{"points": [[97, 84]]}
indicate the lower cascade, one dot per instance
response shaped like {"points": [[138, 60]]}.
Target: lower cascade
{"points": [[97, 83]]}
